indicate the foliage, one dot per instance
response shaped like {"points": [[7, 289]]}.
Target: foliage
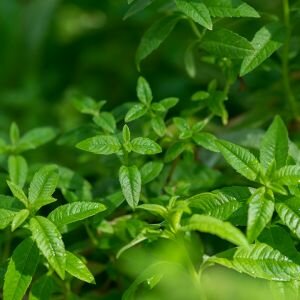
{"points": [[132, 199]]}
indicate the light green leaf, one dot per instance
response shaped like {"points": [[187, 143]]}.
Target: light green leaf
{"points": [[262, 261], [18, 192], [43, 184], [19, 219], [17, 169], [100, 144], [260, 213], [106, 121], [154, 209], [230, 8], [220, 204], [143, 91], [42, 288], [168, 103], [78, 269], [274, 145], [6, 217], [21, 268], [73, 212], [241, 159], [14, 133], [264, 46], [145, 146], [35, 138], [225, 43], [151, 170], [197, 11], [49, 241], [224, 230], [158, 125], [288, 175], [131, 182], [136, 112], [154, 36], [206, 140], [289, 213]]}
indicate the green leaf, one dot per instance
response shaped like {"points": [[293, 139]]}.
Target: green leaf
{"points": [[225, 43], [168, 103], [260, 213], [49, 241], [73, 212], [288, 175], [154, 36], [6, 217], [143, 91], [151, 170], [87, 105], [43, 184], [100, 144], [230, 8], [262, 261], [158, 125], [21, 268], [136, 112], [241, 159], [220, 204], [155, 209], [145, 146], [42, 288], [274, 145], [264, 46], [189, 61], [17, 169], [18, 192], [78, 269], [19, 219], [106, 121], [289, 213], [131, 181], [197, 11], [224, 230], [136, 7], [35, 138], [206, 140], [14, 133], [174, 151]]}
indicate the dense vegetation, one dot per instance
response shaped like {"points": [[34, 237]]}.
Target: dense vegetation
{"points": [[184, 184]]}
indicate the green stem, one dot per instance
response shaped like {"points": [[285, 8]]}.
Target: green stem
{"points": [[285, 61]]}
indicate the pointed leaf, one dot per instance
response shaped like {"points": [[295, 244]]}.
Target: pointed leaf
{"points": [[136, 112], [288, 175], [78, 269], [106, 121], [241, 159], [260, 213], [6, 217], [143, 91], [230, 8], [197, 11], [18, 192], [151, 170], [100, 144], [131, 181], [73, 212], [17, 169], [225, 43], [145, 146], [19, 219], [224, 230], [21, 268], [49, 241], [154, 36], [262, 261], [43, 184], [274, 145], [264, 46], [289, 213]]}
